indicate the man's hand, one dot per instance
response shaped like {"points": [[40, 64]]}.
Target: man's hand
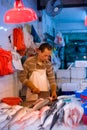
{"points": [[32, 87], [54, 95], [53, 92], [35, 90]]}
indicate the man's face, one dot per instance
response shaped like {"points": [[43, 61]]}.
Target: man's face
{"points": [[44, 56]]}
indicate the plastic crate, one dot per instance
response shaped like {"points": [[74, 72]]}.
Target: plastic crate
{"points": [[12, 100]]}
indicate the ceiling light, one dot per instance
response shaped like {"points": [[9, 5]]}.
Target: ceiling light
{"points": [[19, 14]]}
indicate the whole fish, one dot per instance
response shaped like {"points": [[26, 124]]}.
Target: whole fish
{"points": [[46, 123], [61, 117], [42, 103], [43, 110], [21, 112], [4, 105], [25, 123], [55, 106], [3, 117], [35, 116], [50, 113], [58, 115], [48, 116], [29, 114]]}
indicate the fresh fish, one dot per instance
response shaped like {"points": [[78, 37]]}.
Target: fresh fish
{"points": [[55, 106], [72, 114], [46, 123], [43, 110], [4, 105], [21, 112], [42, 103], [37, 101], [35, 116], [25, 123], [58, 115], [3, 117], [61, 117], [29, 114]]}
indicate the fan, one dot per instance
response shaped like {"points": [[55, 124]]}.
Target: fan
{"points": [[53, 7]]}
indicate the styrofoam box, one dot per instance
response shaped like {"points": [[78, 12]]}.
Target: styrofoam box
{"points": [[8, 86], [61, 81], [81, 63], [70, 86], [79, 73], [75, 80], [62, 73], [83, 84]]}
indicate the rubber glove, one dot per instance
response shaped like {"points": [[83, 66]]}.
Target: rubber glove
{"points": [[53, 91], [30, 85]]}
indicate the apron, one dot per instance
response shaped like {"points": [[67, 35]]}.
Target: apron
{"points": [[39, 79]]}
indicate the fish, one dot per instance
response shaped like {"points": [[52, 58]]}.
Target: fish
{"points": [[22, 125], [42, 103], [35, 116], [21, 112], [55, 106], [3, 117], [61, 117], [48, 113], [72, 114], [4, 106], [43, 110], [58, 116], [46, 122], [28, 115]]}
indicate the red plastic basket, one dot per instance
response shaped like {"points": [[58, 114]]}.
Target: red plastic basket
{"points": [[12, 100]]}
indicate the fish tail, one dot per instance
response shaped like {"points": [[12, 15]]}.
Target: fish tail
{"points": [[41, 128]]}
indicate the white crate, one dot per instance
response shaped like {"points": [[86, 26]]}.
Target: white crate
{"points": [[70, 86], [8, 86], [78, 73], [62, 73], [83, 84], [75, 80], [80, 63], [61, 81]]}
